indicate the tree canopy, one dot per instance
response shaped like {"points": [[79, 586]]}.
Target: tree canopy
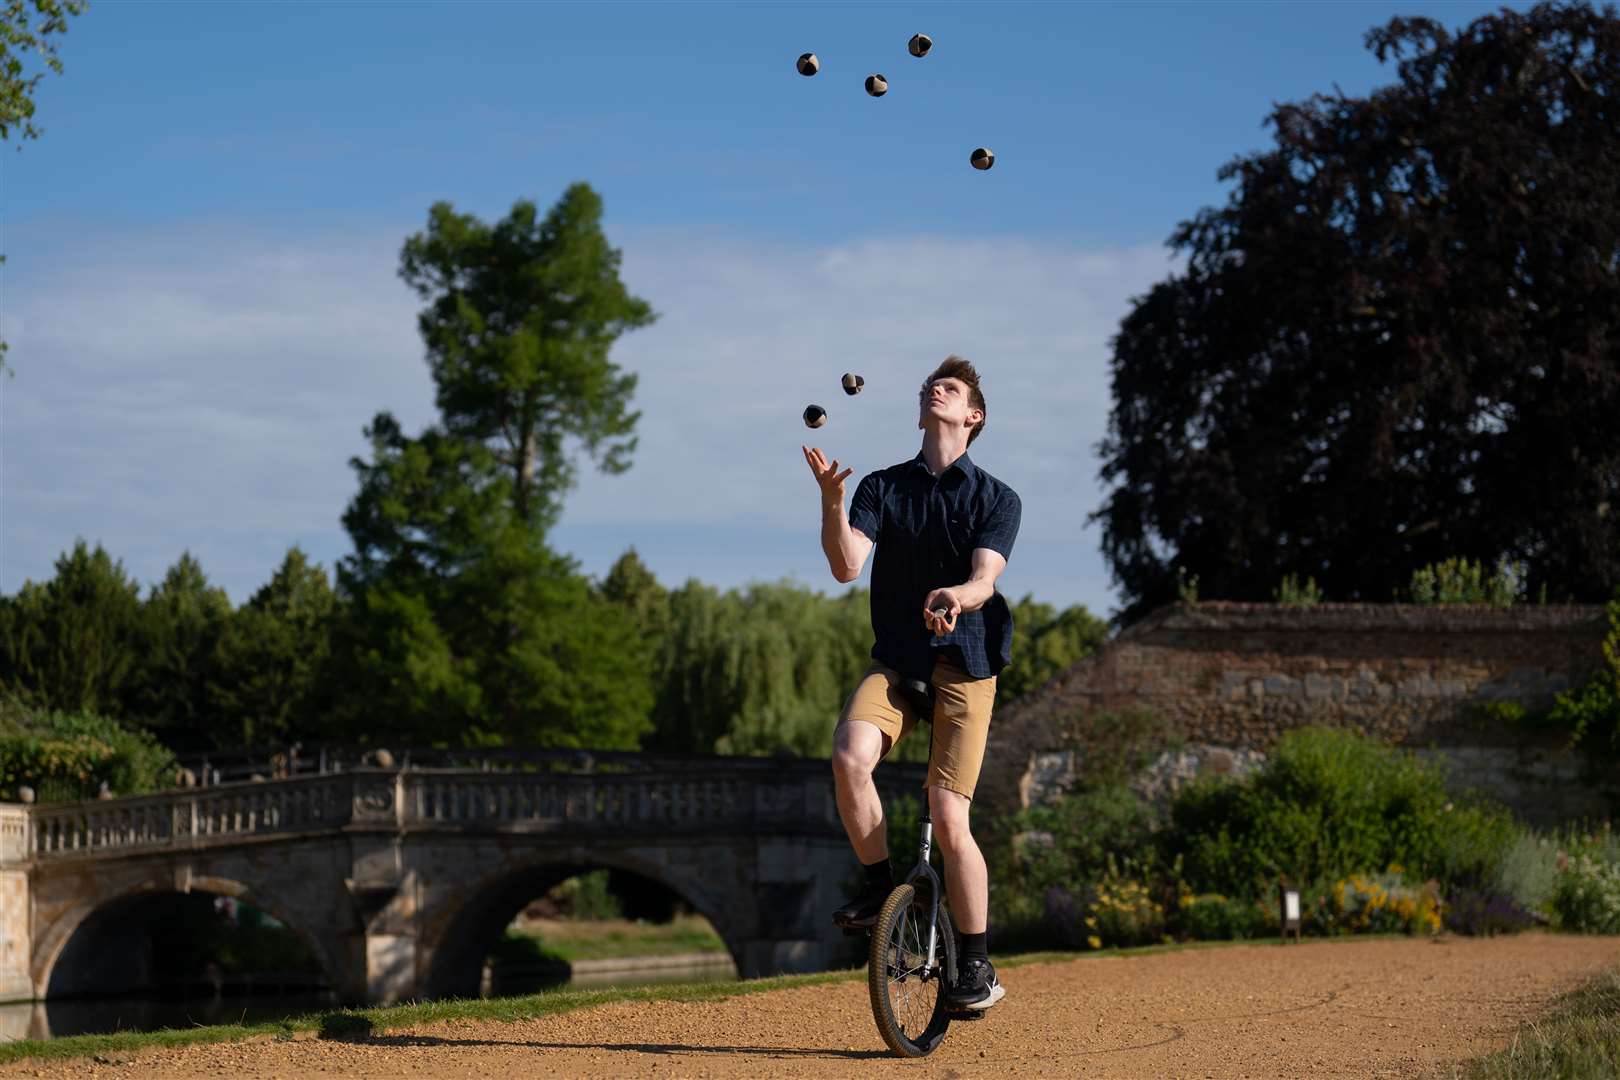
{"points": [[1399, 340], [464, 626]]}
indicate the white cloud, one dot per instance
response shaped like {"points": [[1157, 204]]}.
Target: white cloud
{"points": [[204, 390]]}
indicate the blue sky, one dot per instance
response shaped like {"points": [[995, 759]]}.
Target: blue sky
{"points": [[201, 286]]}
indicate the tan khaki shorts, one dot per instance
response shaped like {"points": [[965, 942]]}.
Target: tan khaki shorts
{"points": [[962, 707]]}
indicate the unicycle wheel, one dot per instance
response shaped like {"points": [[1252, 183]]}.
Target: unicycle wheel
{"points": [[908, 994]]}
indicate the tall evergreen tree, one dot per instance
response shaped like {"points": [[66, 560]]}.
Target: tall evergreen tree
{"points": [[177, 656], [464, 626], [275, 650], [70, 643]]}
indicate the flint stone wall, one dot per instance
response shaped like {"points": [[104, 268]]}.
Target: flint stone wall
{"points": [[1224, 682]]}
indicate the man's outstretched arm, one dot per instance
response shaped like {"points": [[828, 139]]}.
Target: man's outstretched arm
{"points": [[846, 548]]}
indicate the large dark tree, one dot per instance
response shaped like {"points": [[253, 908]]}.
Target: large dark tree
{"points": [[1398, 341]]}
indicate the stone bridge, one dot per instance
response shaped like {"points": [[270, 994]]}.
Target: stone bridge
{"points": [[399, 880]]}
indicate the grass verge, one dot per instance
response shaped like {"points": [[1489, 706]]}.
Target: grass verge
{"points": [[359, 1023], [1578, 1039]]}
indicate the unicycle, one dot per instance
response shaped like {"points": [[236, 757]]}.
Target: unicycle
{"points": [[913, 960]]}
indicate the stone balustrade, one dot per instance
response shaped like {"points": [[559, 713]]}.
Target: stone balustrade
{"points": [[746, 796]]}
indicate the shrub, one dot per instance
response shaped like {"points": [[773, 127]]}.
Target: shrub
{"points": [[1380, 903], [1073, 839], [66, 756], [1329, 803], [1482, 911], [1587, 896], [1458, 581], [1528, 873], [1591, 712], [1213, 917]]}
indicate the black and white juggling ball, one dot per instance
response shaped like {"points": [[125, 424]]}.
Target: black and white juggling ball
{"points": [[877, 85], [982, 158], [853, 383], [919, 44], [808, 64], [814, 416]]}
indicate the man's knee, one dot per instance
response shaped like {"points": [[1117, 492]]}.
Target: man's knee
{"points": [[949, 812], [856, 752]]}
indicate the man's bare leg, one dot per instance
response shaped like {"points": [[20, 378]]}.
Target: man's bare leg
{"points": [[857, 749], [967, 882]]}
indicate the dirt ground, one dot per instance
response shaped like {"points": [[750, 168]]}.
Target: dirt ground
{"points": [[1343, 1008]]}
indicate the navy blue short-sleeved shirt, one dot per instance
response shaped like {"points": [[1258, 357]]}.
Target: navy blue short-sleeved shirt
{"points": [[925, 530]]}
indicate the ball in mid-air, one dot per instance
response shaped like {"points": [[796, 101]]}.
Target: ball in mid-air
{"points": [[877, 85], [982, 158], [853, 383], [814, 416], [808, 64], [919, 44]]}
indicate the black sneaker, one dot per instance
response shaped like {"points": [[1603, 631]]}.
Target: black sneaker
{"points": [[862, 912], [976, 989]]}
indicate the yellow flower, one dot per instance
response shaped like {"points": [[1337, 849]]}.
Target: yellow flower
{"points": [[1091, 921], [1094, 941]]}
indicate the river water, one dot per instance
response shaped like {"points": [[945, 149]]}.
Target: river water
{"points": [[86, 1016]]}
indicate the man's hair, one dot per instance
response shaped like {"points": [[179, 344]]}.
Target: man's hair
{"points": [[954, 367]]}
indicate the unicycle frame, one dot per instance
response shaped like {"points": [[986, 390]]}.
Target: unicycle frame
{"points": [[924, 872]]}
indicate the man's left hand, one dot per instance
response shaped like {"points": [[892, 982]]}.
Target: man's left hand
{"points": [[941, 598]]}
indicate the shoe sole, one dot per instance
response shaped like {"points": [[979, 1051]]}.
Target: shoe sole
{"points": [[996, 994]]}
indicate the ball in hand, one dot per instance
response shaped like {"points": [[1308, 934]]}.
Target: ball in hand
{"points": [[982, 158], [853, 383], [814, 416], [808, 64], [877, 85]]}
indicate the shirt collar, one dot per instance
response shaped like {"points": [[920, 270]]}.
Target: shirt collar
{"points": [[963, 464]]}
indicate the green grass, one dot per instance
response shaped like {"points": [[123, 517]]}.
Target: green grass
{"points": [[1578, 1039], [359, 1023], [565, 941]]}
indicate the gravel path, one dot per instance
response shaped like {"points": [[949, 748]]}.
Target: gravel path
{"points": [[1338, 1008]]}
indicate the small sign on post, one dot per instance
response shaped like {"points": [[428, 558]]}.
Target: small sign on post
{"points": [[1289, 898]]}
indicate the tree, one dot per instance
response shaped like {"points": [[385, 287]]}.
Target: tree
{"points": [[28, 26], [757, 671], [464, 626], [1398, 341], [1046, 643], [69, 644], [633, 588], [273, 654], [177, 647], [519, 321]]}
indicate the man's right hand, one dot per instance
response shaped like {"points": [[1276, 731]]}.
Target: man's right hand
{"points": [[827, 476]]}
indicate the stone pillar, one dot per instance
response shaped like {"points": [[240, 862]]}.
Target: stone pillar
{"points": [[797, 885], [383, 894], [16, 930]]}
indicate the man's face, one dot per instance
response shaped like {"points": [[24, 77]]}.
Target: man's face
{"points": [[947, 400]]}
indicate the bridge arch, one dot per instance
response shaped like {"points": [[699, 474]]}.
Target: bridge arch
{"points": [[86, 928], [459, 939]]}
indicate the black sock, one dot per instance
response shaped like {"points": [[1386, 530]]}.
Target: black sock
{"points": [[975, 946], [879, 878]]}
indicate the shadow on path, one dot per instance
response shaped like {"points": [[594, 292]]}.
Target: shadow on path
{"points": [[640, 1048]]}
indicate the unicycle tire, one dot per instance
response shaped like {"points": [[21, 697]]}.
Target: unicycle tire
{"points": [[908, 1001]]}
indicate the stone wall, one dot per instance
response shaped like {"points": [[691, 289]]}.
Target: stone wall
{"points": [[1220, 679]]}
